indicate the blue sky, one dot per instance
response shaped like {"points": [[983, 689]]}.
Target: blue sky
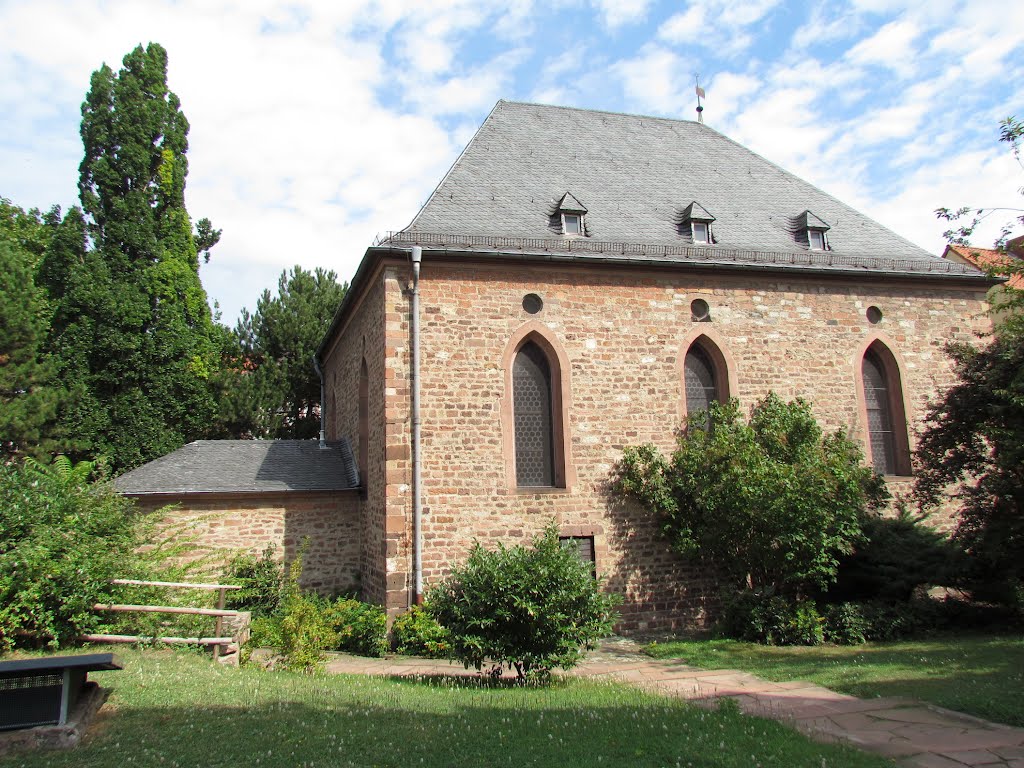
{"points": [[318, 125]]}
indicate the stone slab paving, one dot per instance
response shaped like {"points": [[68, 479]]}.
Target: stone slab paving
{"points": [[915, 735]]}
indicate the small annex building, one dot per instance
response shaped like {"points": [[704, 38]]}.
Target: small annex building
{"points": [[580, 281], [247, 495]]}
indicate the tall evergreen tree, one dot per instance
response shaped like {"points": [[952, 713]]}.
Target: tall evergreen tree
{"points": [[28, 395], [132, 327]]}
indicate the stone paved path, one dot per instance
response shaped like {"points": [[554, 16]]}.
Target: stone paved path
{"points": [[915, 735]]}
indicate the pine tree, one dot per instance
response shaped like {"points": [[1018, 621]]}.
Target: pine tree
{"points": [[132, 327], [28, 395], [276, 391]]}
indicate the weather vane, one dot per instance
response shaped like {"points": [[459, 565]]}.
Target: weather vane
{"points": [[700, 95]]}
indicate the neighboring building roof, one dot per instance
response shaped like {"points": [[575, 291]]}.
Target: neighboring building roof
{"points": [[985, 258], [233, 466], [636, 174]]}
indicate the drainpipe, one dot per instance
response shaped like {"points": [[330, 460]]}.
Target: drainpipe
{"points": [[323, 401], [417, 482]]}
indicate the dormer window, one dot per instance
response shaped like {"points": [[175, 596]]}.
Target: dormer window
{"points": [[701, 231], [817, 239], [696, 222], [571, 212]]}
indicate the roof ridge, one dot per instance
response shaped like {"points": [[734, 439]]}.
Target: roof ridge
{"points": [[600, 112]]}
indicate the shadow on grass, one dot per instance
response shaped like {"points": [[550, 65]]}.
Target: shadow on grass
{"points": [[383, 724]]}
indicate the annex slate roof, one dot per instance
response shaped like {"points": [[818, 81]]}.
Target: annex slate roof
{"points": [[635, 174], [234, 466]]}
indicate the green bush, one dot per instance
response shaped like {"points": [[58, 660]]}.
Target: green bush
{"points": [[530, 608], [306, 632], [359, 628], [262, 582], [845, 624], [62, 540], [769, 502], [305, 625], [771, 619], [417, 633], [898, 556]]}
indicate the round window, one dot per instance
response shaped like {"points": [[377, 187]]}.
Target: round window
{"points": [[533, 303], [874, 315], [700, 310]]}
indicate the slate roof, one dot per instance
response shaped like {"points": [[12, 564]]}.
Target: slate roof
{"points": [[253, 466], [637, 174]]}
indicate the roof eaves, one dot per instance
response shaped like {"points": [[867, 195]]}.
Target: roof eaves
{"points": [[788, 263]]}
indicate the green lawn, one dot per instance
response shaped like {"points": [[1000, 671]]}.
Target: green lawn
{"points": [[982, 675], [181, 710]]}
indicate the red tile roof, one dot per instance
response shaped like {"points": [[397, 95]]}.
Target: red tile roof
{"points": [[983, 258]]}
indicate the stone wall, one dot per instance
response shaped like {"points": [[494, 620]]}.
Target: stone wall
{"points": [[621, 337], [362, 337], [227, 524]]}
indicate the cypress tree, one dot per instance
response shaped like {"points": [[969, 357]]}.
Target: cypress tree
{"points": [[132, 327]]}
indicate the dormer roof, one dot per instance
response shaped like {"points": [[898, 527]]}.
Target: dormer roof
{"points": [[569, 204], [809, 221], [696, 212]]}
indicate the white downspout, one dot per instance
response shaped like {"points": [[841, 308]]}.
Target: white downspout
{"points": [[417, 485]]}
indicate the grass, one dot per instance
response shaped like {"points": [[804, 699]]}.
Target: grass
{"points": [[179, 709], [981, 675]]}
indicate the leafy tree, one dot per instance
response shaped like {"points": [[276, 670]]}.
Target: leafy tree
{"points": [[132, 328], [770, 502], [530, 608], [28, 395], [972, 446], [274, 390]]}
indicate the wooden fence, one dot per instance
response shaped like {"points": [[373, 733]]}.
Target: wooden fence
{"points": [[218, 641]]}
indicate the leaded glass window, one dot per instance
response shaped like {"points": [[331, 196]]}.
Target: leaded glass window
{"points": [[879, 410], [531, 401], [699, 379]]}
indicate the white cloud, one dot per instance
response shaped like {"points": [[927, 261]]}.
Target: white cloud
{"points": [[657, 80], [616, 13], [892, 47], [721, 25]]}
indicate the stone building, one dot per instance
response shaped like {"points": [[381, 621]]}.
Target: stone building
{"points": [[578, 282]]}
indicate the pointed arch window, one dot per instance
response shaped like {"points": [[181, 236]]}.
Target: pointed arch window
{"points": [[888, 444], [533, 411], [705, 379]]}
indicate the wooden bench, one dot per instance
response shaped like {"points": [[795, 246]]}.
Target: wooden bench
{"points": [[44, 691]]}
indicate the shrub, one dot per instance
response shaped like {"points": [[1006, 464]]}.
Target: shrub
{"points": [[771, 502], [760, 617], [845, 624], [262, 582], [359, 628], [898, 556], [530, 608], [62, 539], [306, 632], [305, 625], [417, 633]]}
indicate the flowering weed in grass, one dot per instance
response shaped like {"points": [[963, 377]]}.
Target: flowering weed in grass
{"points": [[171, 710]]}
